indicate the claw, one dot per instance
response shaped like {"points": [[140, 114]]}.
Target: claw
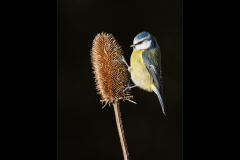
{"points": [[128, 87], [125, 89], [123, 60], [118, 60]]}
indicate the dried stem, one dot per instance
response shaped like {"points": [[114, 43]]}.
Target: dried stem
{"points": [[120, 130], [111, 77]]}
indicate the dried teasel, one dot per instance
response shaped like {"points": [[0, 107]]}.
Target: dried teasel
{"points": [[111, 77]]}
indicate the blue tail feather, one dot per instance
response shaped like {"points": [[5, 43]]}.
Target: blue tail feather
{"points": [[155, 89]]}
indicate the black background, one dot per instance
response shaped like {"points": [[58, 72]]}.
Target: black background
{"points": [[85, 130]]}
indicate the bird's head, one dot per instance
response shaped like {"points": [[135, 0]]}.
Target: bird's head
{"points": [[144, 41]]}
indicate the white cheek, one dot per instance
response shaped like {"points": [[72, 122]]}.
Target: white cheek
{"points": [[144, 45]]}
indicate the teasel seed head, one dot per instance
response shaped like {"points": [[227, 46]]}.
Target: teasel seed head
{"points": [[111, 76]]}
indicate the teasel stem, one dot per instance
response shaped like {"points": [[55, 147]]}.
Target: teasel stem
{"points": [[112, 77], [120, 130]]}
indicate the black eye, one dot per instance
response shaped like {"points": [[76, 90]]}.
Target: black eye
{"points": [[140, 42]]}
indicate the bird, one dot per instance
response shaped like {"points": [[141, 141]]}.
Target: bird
{"points": [[145, 69]]}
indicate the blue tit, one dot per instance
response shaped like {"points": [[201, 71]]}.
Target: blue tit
{"points": [[145, 69]]}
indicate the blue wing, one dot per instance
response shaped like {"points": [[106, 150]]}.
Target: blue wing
{"points": [[157, 78], [155, 73]]}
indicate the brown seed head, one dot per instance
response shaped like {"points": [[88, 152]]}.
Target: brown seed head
{"points": [[111, 76]]}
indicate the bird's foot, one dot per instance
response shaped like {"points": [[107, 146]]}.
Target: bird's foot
{"points": [[123, 60], [128, 87]]}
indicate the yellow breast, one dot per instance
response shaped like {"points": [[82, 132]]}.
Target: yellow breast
{"points": [[139, 73]]}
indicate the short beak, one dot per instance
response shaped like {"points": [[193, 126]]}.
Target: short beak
{"points": [[132, 45]]}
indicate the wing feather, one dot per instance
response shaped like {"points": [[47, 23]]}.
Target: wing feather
{"points": [[156, 75]]}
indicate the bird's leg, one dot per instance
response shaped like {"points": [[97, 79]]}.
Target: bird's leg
{"points": [[129, 69], [123, 60], [128, 87]]}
